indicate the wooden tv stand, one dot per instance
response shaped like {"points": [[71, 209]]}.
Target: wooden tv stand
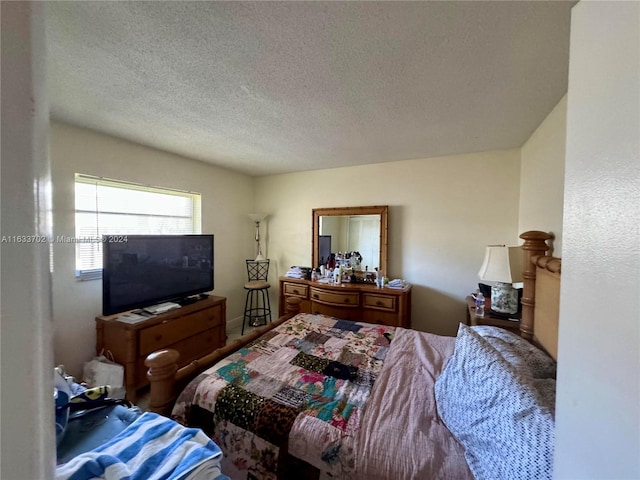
{"points": [[193, 330]]}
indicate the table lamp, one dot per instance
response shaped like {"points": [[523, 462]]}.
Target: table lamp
{"points": [[502, 265], [257, 218]]}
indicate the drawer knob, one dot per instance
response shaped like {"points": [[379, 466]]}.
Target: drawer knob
{"points": [[315, 295], [346, 300], [158, 338], [379, 303], [296, 291]]}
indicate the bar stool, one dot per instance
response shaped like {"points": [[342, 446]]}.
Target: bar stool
{"points": [[257, 307]]}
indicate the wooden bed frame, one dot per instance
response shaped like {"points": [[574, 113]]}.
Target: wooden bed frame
{"points": [[167, 380], [541, 295], [540, 300]]}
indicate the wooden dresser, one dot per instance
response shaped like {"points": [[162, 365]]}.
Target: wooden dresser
{"points": [[350, 301], [193, 330]]}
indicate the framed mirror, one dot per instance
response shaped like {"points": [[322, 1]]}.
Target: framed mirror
{"points": [[351, 229]]}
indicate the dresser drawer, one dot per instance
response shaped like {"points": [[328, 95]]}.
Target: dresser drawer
{"points": [[343, 313], [156, 337], [380, 317], [190, 349], [296, 290], [381, 302], [197, 346], [342, 299]]}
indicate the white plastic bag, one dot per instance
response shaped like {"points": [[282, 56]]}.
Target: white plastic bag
{"points": [[105, 371]]}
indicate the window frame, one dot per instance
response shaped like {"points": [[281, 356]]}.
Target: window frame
{"points": [[86, 274]]}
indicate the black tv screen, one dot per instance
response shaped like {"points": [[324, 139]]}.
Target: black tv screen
{"points": [[143, 270], [324, 249]]}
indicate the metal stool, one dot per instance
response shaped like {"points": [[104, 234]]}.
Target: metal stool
{"points": [[257, 307]]}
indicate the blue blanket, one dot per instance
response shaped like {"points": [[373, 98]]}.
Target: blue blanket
{"points": [[151, 448]]}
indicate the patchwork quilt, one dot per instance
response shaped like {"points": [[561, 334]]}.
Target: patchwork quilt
{"points": [[289, 404]]}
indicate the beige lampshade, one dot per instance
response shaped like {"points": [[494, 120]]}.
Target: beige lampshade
{"points": [[502, 263]]}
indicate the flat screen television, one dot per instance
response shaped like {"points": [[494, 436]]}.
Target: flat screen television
{"points": [[324, 247], [144, 270]]}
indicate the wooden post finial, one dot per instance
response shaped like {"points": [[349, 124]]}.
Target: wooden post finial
{"points": [[536, 240], [535, 245], [163, 366], [292, 306]]}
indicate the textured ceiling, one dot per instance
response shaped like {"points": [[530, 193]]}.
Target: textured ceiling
{"points": [[275, 87]]}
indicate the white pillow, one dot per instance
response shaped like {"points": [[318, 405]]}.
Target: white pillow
{"points": [[518, 351], [495, 413]]}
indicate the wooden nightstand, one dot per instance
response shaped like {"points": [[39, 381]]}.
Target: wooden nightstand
{"points": [[473, 319]]}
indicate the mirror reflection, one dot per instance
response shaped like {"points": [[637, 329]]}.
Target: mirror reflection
{"points": [[350, 240], [353, 236]]}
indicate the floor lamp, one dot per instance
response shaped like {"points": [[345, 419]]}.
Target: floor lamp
{"points": [[257, 218]]}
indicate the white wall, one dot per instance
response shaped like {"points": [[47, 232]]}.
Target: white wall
{"points": [[442, 213], [598, 398], [28, 438], [542, 177], [227, 198]]}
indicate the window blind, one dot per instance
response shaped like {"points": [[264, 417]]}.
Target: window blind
{"points": [[113, 207]]}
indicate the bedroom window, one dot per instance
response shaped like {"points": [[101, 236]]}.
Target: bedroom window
{"points": [[113, 207]]}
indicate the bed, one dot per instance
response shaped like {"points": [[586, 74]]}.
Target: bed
{"points": [[311, 396]]}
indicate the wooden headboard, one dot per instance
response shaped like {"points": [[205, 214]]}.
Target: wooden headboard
{"points": [[541, 295]]}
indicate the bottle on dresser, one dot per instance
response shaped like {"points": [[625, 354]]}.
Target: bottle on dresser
{"points": [[479, 303], [337, 272], [379, 278]]}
